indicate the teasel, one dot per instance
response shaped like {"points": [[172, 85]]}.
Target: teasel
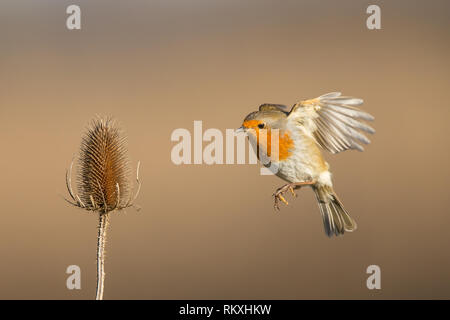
{"points": [[103, 181]]}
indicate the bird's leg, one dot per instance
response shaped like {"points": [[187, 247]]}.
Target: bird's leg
{"points": [[278, 195]]}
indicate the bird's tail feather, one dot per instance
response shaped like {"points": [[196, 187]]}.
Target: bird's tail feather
{"points": [[336, 219]]}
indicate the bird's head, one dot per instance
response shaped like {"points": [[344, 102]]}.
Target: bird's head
{"points": [[260, 125], [268, 117]]}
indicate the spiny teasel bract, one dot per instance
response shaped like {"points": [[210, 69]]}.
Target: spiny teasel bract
{"points": [[103, 182]]}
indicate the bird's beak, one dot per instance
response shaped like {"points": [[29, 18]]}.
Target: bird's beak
{"points": [[239, 130]]}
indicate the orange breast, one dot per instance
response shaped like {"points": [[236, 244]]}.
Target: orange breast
{"points": [[264, 139], [285, 143]]}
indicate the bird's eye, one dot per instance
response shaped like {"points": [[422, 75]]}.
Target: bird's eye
{"points": [[261, 125]]}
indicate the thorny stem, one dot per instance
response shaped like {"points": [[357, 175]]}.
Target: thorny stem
{"points": [[102, 226]]}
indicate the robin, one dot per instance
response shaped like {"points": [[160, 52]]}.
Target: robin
{"points": [[330, 122]]}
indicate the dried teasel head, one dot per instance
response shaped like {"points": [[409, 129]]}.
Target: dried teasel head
{"points": [[103, 182]]}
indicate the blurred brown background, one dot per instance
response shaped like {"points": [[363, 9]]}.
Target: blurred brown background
{"points": [[210, 232]]}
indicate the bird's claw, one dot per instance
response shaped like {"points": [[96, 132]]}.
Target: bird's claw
{"points": [[278, 195], [292, 191]]}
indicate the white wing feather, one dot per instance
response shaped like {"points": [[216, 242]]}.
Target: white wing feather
{"points": [[333, 121]]}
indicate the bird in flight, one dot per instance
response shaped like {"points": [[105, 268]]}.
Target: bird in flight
{"points": [[331, 122]]}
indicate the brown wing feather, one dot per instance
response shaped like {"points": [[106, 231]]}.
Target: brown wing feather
{"points": [[273, 107]]}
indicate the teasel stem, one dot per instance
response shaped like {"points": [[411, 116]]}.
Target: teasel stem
{"points": [[101, 241]]}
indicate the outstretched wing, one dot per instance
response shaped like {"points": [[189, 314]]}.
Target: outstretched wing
{"points": [[333, 121]]}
